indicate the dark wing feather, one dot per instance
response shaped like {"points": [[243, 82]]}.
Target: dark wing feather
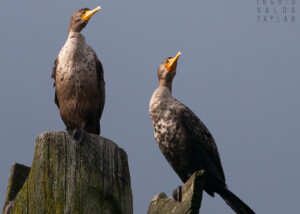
{"points": [[54, 77], [101, 84], [92, 125], [196, 128]]}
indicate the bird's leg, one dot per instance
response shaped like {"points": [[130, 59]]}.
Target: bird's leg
{"points": [[79, 134], [177, 194]]}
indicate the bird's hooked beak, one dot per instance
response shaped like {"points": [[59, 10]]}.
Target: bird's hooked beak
{"points": [[171, 63], [89, 13]]}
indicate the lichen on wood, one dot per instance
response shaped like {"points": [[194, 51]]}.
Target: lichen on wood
{"points": [[68, 177], [18, 175]]}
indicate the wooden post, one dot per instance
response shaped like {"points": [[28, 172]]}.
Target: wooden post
{"points": [[68, 177], [191, 198]]}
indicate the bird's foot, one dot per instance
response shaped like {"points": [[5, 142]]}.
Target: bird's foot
{"points": [[79, 135], [177, 194]]}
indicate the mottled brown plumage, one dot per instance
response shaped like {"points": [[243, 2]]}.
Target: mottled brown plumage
{"points": [[78, 80], [185, 141]]}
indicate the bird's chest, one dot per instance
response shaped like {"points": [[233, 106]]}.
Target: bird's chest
{"points": [[76, 70], [168, 130]]}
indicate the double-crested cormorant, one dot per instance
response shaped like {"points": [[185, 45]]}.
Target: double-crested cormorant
{"points": [[78, 78], [185, 141]]}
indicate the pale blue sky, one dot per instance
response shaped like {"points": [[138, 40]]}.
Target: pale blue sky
{"points": [[239, 76]]}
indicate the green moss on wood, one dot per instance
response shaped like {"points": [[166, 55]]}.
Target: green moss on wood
{"points": [[18, 176], [66, 177]]}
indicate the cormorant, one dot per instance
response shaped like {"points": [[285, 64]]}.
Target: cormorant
{"points": [[185, 141], [78, 79]]}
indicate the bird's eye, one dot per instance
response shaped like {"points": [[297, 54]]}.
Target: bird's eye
{"points": [[83, 12], [167, 61]]}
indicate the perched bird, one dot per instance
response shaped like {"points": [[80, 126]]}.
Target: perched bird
{"points": [[185, 141], [78, 79]]}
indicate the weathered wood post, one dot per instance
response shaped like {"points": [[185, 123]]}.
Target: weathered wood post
{"points": [[67, 177], [190, 202]]}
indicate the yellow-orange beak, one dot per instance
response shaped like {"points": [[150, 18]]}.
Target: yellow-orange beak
{"points": [[171, 63], [89, 13]]}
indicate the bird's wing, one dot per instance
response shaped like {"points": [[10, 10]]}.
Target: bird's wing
{"points": [[101, 84], [54, 77], [198, 131]]}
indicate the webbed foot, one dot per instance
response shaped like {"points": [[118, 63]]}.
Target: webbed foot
{"points": [[79, 134], [177, 194]]}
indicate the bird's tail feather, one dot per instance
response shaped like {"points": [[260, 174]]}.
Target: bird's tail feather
{"points": [[234, 202]]}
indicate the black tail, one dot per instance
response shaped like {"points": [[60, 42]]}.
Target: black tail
{"points": [[234, 202]]}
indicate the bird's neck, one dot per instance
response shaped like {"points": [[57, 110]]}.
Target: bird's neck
{"points": [[75, 45], [167, 84], [76, 35], [75, 40], [164, 91], [161, 94]]}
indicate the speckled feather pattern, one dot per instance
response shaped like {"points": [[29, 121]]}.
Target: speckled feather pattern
{"points": [[79, 86], [182, 137], [186, 142]]}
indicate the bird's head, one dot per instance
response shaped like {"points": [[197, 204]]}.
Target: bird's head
{"points": [[80, 18], [167, 71]]}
